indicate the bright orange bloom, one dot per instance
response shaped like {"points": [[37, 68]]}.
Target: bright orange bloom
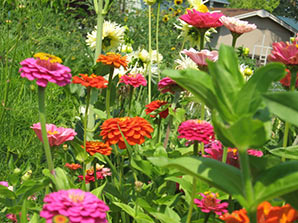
{"points": [[113, 59], [73, 166], [90, 81], [154, 105], [93, 147], [269, 214], [239, 216], [134, 130]]}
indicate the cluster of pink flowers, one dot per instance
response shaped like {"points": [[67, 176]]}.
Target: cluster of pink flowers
{"points": [[56, 135], [168, 85], [134, 80], [210, 203], [74, 205], [45, 71], [196, 130], [202, 20], [200, 57], [101, 172]]}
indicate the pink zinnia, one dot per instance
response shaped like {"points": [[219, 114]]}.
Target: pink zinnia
{"points": [[198, 130], [286, 53], [200, 57], [236, 25], [45, 71], [167, 85], [76, 205], [56, 135], [202, 20], [4, 183], [210, 203], [134, 80]]}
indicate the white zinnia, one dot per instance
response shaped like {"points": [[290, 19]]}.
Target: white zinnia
{"points": [[112, 36], [185, 63]]}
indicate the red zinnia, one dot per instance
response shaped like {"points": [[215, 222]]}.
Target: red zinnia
{"points": [[113, 59], [134, 130], [286, 81], [93, 147], [90, 81], [154, 105]]}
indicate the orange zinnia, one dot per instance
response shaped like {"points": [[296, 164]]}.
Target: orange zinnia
{"points": [[154, 105], [239, 216], [90, 81], [73, 166], [113, 59], [93, 147], [134, 130]]}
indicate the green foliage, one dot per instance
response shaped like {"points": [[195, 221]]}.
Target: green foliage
{"points": [[268, 5]]}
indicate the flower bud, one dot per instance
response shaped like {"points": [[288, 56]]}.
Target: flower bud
{"points": [[16, 170], [246, 51], [248, 72], [149, 2], [138, 185], [27, 175]]}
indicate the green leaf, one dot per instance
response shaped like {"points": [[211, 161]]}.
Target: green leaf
{"points": [[5, 192], [222, 176], [276, 181], [290, 152], [24, 212], [81, 154], [35, 218], [98, 191], [60, 178], [129, 210], [249, 98], [100, 114], [284, 105], [291, 198]]}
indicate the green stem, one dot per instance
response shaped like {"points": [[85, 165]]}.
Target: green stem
{"points": [[108, 96], [131, 93], [94, 173], [202, 148], [202, 38], [42, 119], [150, 56], [207, 217], [100, 18], [235, 37], [225, 155], [158, 139], [196, 148], [194, 187], [202, 111], [156, 36]]}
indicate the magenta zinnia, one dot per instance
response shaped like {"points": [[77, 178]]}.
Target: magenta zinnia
{"points": [[210, 203], [56, 135], [286, 53], [196, 130], [134, 80], [202, 20], [76, 205], [45, 71], [168, 85], [201, 57]]}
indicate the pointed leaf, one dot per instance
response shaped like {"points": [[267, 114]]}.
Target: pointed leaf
{"points": [[5, 192], [284, 105], [290, 152]]}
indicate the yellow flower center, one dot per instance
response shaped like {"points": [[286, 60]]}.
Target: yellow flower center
{"points": [[48, 57], [60, 219], [203, 8], [76, 197], [52, 132]]}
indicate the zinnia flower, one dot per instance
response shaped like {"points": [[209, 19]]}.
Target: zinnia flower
{"points": [[46, 56], [112, 36], [154, 105], [236, 25], [286, 81], [185, 63], [286, 53], [134, 130], [134, 80], [90, 81], [202, 20], [101, 172], [200, 57], [198, 130], [73, 166], [210, 203], [4, 183], [168, 85], [239, 216], [56, 135], [76, 205], [93, 147], [113, 59], [45, 71]]}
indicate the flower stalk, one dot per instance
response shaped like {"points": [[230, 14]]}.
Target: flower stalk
{"points": [[194, 187], [156, 36], [98, 4], [42, 119], [150, 55], [108, 96]]}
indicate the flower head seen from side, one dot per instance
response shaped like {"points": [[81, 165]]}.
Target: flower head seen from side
{"points": [[154, 105], [200, 57], [45, 70], [93, 147], [134, 130], [286, 81], [112, 36], [168, 85], [74, 205], [113, 59], [101, 173], [202, 20], [238, 216], [93, 81], [286, 53], [56, 135], [210, 203], [236, 25], [73, 166], [196, 130], [135, 80]]}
